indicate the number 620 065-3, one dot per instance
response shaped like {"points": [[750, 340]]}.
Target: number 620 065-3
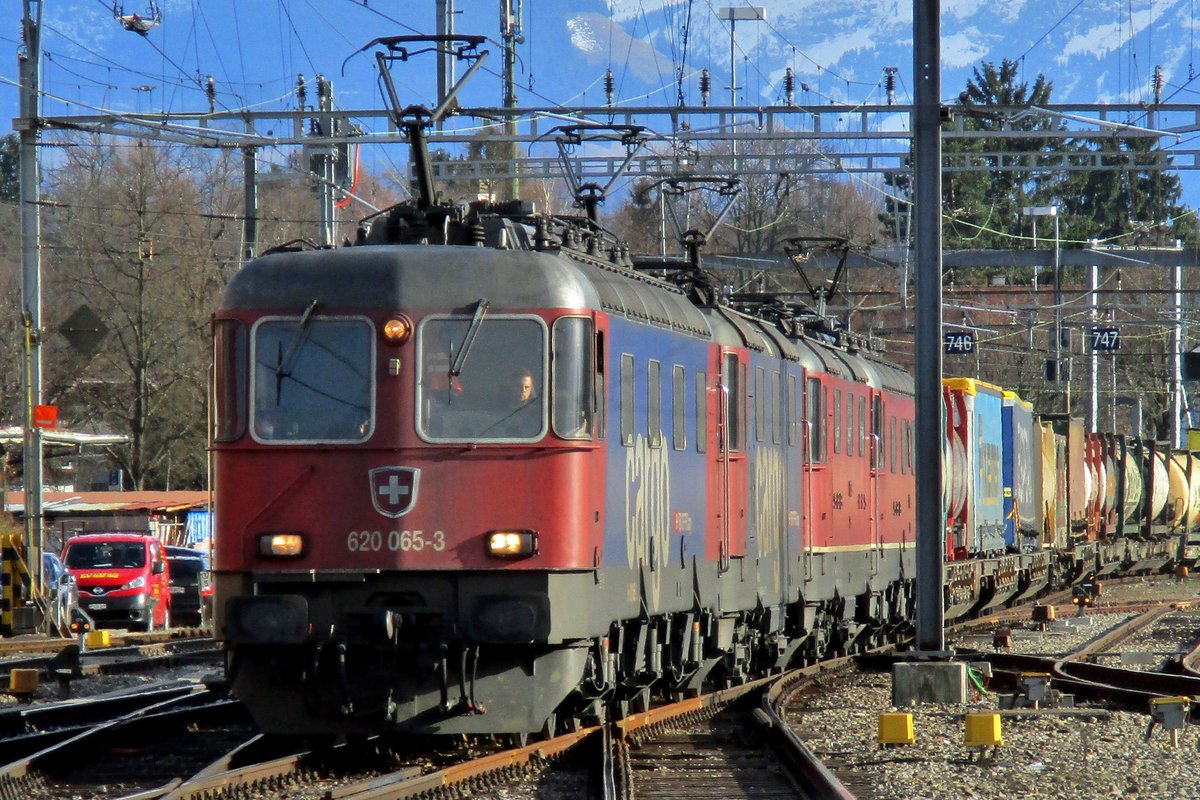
{"points": [[395, 541]]}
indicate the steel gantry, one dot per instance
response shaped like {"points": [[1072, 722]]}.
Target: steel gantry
{"points": [[833, 139]]}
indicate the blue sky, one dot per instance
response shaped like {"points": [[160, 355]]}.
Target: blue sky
{"points": [[1093, 50]]}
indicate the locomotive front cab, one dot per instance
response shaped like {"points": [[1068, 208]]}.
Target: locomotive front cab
{"points": [[402, 496]]}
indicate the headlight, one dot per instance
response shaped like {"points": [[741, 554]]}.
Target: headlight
{"points": [[511, 544], [281, 545], [136, 583], [397, 330]]}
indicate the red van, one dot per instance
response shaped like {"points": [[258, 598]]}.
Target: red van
{"points": [[123, 579]]}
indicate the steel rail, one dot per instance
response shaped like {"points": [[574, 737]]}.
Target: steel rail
{"points": [[1129, 688], [1120, 633], [1190, 663], [401, 785], [28, 729], [817, 781], [13, 774], [207, 784], [112, 661]]}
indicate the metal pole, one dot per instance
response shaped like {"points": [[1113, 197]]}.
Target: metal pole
{"points": [[732, 65], [510, 30], [1058, 365], [1177, 431], [1094, 411], [250, 203], [1112, 364], [445, 60], [325, 162], [662, 223], [927, 151], [30, 64]]}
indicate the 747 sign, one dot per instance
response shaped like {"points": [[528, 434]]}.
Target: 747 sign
{"points": [[1104, 340]]}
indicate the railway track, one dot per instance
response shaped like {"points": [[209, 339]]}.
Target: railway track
{"points": [[140, 750], [25, 730], [69, 663], [730, 744], [1120, 686]]}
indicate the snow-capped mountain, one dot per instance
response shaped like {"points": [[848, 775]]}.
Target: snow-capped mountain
{"points": [[1095, 51]]}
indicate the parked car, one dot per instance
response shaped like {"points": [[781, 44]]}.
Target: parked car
{"points": [[174, 551], [191, 587], [61, 593], [123, 579], [53, 572]]}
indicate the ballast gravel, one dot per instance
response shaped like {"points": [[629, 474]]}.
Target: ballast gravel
{"points": [[1043, 755], [1048, 754]]}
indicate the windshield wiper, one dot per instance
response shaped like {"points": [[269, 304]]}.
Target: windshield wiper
{"points": [[476, 321], [285, 364]]}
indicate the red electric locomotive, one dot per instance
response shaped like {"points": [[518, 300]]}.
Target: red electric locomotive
{"points": [[482, 488], [481, 473]]}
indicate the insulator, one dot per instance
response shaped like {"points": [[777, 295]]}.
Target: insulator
{"points": [[322, 87], [301, 92], [789, 86], [609, 86], [705, 86], [210, 91], [1158, 85], [889, 83]]}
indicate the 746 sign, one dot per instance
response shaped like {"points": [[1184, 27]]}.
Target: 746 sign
{"points": [[1105, 340], [958, 343]]}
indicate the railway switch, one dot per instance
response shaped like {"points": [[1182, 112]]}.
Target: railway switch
{"points": [[1171, 713], [896, 728]]}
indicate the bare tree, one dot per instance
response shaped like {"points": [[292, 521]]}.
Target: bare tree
{"points": [[144, 235]]}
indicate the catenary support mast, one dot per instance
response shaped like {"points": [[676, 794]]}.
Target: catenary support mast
{"points": [[927, 150], [31, 278]]}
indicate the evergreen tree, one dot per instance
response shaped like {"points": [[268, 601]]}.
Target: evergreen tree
{"points": [[1130, 201], [982, 209]]}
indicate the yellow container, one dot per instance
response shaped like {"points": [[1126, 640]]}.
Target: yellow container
{"points": [[896, 728], [983, 730], [22, 681], [97, 639]]}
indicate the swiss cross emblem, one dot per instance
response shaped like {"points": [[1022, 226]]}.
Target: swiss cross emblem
{"points": [[394, 490]]}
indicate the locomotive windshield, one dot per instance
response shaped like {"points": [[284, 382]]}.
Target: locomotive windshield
{"points": [[312, 380], [499, 391]]}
